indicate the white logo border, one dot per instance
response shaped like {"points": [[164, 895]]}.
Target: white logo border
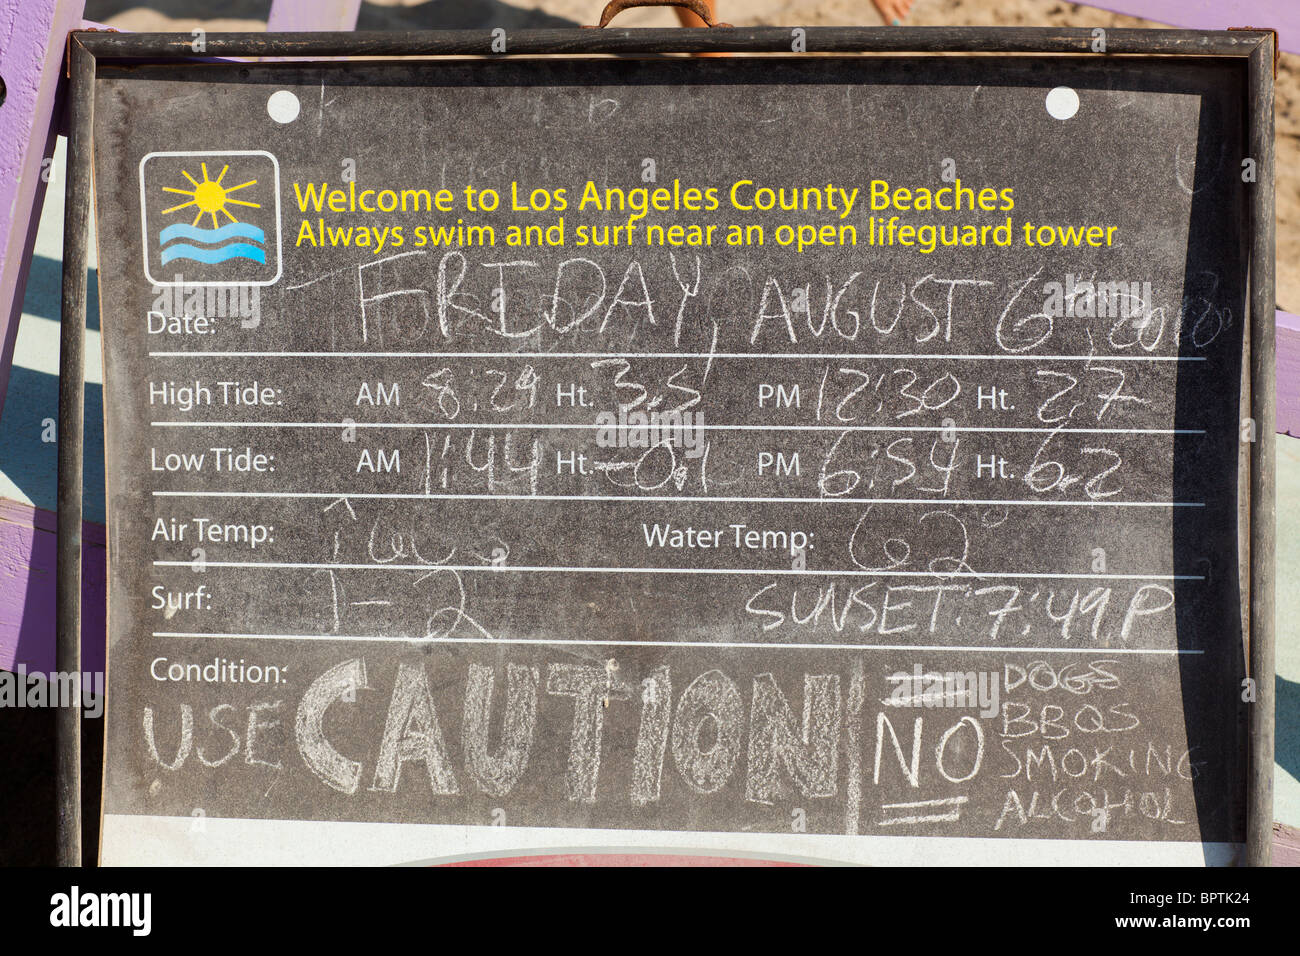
{"points": [[279, 231]]}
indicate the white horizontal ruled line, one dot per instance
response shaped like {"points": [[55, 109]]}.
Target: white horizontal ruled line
{"points": [[709, 499], [719, 644], [559, 569], [592, 426], [829, 356]]}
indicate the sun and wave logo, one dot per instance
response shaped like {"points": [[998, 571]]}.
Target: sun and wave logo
{"points": [[205, 229], [208, 198]]}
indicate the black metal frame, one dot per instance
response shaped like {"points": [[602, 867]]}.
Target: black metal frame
{"points": [[1255, 48]]}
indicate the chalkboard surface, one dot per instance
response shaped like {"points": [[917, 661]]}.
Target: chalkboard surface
{"points": [[830, 458]]}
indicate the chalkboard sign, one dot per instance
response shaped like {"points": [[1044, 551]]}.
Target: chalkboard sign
{"points": [[808, 457]]}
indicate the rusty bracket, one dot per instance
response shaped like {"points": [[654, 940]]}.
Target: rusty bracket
{"points": [[615, 7]]}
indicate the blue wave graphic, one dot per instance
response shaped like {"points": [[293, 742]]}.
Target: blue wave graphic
{"points": [[236, 250], [231, 230]]}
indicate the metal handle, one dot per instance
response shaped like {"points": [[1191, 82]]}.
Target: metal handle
{"points": [[697, 7]]}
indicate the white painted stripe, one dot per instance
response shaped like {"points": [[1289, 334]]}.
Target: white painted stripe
{"points": [[595, 642], [591, 426], [557, 569], [829, 356], [130, 840], [676, 499]]}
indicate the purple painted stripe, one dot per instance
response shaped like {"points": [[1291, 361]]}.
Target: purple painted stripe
{"points": [[31, 59], [1288, 374], [288, 16], [28, 548], [1281, 15]]}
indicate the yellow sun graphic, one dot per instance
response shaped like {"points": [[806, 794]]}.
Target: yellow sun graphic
{"points": [[210, 196]]}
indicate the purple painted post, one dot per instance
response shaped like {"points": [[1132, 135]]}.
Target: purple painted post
{"points": [[28, 552], [289, 16], [1288, 374], [1280, 15], [32, 37]]}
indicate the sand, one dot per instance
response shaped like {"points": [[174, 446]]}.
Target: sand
{"points": [[469, 14]]}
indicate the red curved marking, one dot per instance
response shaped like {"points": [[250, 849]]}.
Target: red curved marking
{"points": [[620, 859]]}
